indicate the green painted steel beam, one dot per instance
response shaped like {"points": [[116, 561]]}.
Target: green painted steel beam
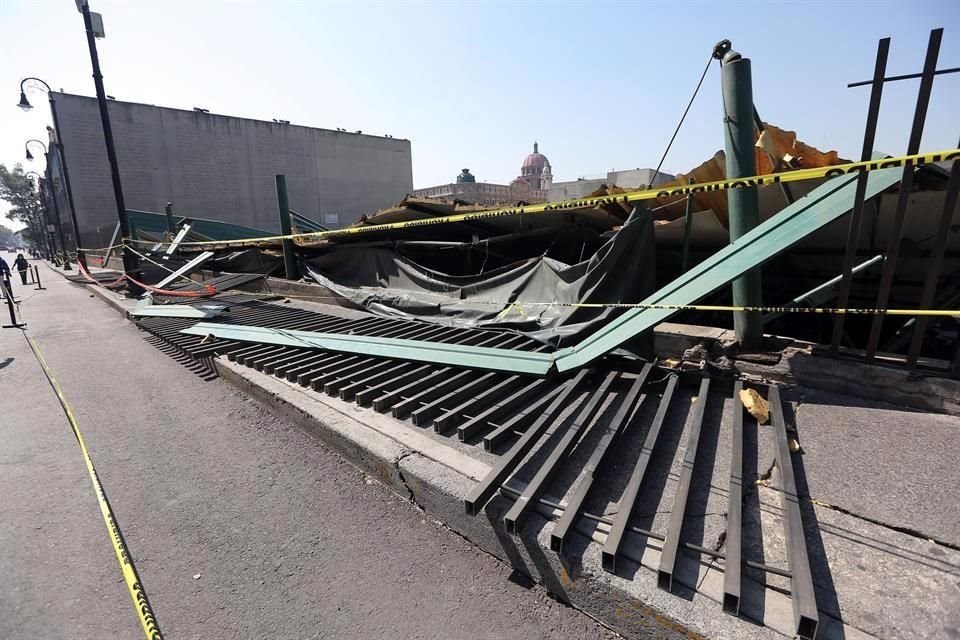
{"points": [[818, 208], [523, 362]]}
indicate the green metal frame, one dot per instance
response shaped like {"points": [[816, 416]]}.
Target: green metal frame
{"points": [[524, 362], [820, 207]]}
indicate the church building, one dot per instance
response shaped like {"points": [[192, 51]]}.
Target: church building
{"points": [[531, 186]]}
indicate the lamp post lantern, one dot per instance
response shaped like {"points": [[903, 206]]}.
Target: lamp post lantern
{"points": [[26, 106]]}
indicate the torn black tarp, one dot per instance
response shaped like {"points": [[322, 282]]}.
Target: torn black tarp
{"points": [[251, 260], [514, 296]]}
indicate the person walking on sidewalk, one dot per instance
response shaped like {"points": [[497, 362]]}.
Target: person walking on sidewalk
{"points": [[22, 266]]}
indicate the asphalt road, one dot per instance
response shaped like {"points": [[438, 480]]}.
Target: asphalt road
{"points": [[240, 526]]}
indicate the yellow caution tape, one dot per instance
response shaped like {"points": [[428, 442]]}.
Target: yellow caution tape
{"points": [[140, 603], [914, 160], [519, 307]]}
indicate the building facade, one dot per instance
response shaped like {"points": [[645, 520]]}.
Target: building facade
{"points": [[223, 168], [628, 179], [531, 186]]}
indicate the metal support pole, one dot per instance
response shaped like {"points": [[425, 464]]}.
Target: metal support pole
{"points": [[8, 293], [856, 216], [56, 213], [130, 262], [45, 220], [687, 224], [49, 226], [66, 180], [289, 260], [36, 275], [744, 215], [168, 212]]}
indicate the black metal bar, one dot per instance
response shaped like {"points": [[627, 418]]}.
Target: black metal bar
{"points": [[373, 366], [581, 427], [387, 370], [423, 393], [345, 367], [668, 555], [732, 565], [425, 414], [271, 366], [626, 415], [479, 402], [36, 273], [130, 260], [366, 396], [856, 216], [611, 548], [8, 294], [475, 502], [805, 614], [909, 76], [520, 421], [903, 197], [331, 367], [935, 263], [293, 370], [480, 422]]}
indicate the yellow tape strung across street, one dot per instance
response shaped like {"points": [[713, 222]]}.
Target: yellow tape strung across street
{"points": [[915, 160], [509, 306], [140, 603]]}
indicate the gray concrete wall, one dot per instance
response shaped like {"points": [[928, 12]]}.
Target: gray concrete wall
{"points": [[223, 168]]}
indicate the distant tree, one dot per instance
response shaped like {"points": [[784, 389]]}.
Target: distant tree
{"points": [[17, 189], [7, 236]]}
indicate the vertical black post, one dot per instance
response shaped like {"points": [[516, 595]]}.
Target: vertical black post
{"points": [[737, 87], [56, 213], [8, 293], [906, 186], [289, 260], [51, 239], [66, 179], [935, 264], [45, 220], [129, 259], [168, 212], [36, 274], [687, 227], [856, 217]]}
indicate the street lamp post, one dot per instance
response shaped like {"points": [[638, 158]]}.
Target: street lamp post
{"points": [[26, 106], [45, 233], [53, 196], [129, 259]]}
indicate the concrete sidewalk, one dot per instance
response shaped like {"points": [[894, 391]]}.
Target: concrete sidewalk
{"points": [[240, 526], [880, 489]]}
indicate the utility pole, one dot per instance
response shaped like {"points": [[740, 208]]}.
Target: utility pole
{"points": [[744, 212], [56, 213], [130, 262], [283, 202], [168, 213]]}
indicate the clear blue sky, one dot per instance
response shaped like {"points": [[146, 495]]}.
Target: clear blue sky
{"points": [[473, 84]]}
